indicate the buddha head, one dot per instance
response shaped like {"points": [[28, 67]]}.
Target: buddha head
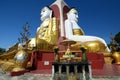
{"points": [[73, 15], [46, 13]]}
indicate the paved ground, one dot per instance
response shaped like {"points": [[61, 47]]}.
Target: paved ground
{"points": [[29, 76]]}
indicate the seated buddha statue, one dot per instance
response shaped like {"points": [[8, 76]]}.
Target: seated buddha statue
{"points": [[47, 33], [74, 32]]}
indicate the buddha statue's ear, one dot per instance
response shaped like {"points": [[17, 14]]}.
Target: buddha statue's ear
{"points": [[68, 15], [50, 14]]}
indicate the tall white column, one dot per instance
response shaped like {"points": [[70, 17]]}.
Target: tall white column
{"points": [[61, 4]]}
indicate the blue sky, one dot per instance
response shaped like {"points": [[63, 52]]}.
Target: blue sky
{"points": [[96, 17]]}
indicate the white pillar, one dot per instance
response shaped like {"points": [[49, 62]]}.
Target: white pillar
{"points": [[61, 4], [53, 71], [83, 72], [90, 72]]}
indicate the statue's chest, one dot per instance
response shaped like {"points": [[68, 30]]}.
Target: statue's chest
{"points": [[43, 26], [46, 23], [75, 25]]}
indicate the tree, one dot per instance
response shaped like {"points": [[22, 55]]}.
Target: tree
{"points": [[25, 34], [2, 50], [115, 43], [117, 38]]}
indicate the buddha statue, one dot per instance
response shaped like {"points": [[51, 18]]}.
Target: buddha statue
{"points": [[74, 32], [47, 33]]}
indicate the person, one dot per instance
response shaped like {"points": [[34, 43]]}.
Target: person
{"points": [[74, 32], [47, 33]]}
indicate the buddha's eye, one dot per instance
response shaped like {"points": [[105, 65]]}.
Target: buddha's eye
{"points": [[75, 13]]}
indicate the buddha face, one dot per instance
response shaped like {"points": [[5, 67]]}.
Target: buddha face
{"points": [[45, 13], [73, 15]]}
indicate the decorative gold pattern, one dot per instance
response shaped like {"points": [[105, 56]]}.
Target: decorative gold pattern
{"points": [[78, 32], [73, 10], [47, 35]]}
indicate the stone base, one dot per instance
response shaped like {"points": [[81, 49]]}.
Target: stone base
{"points": [[18, 73]]}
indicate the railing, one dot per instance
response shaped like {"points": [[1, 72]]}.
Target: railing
{"points": [[76, 68]]}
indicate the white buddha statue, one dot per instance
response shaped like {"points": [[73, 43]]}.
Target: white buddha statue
{"points": [[74, 32], [47, 33]]}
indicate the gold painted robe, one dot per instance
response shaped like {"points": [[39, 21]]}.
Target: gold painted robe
{"points": [[47, 34]]}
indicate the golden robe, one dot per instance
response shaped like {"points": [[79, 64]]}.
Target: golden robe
{"points": [[47, 34]]}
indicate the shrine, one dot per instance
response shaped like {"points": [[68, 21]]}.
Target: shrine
{"points": [[60, 25], [59, 47]]}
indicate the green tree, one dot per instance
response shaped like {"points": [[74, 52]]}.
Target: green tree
{"points": [[2, 50], [25, 34], [117, 38], [115, 42]]}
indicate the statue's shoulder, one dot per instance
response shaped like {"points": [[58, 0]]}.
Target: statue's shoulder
{"points": [[54, 18], [67, 21]]}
